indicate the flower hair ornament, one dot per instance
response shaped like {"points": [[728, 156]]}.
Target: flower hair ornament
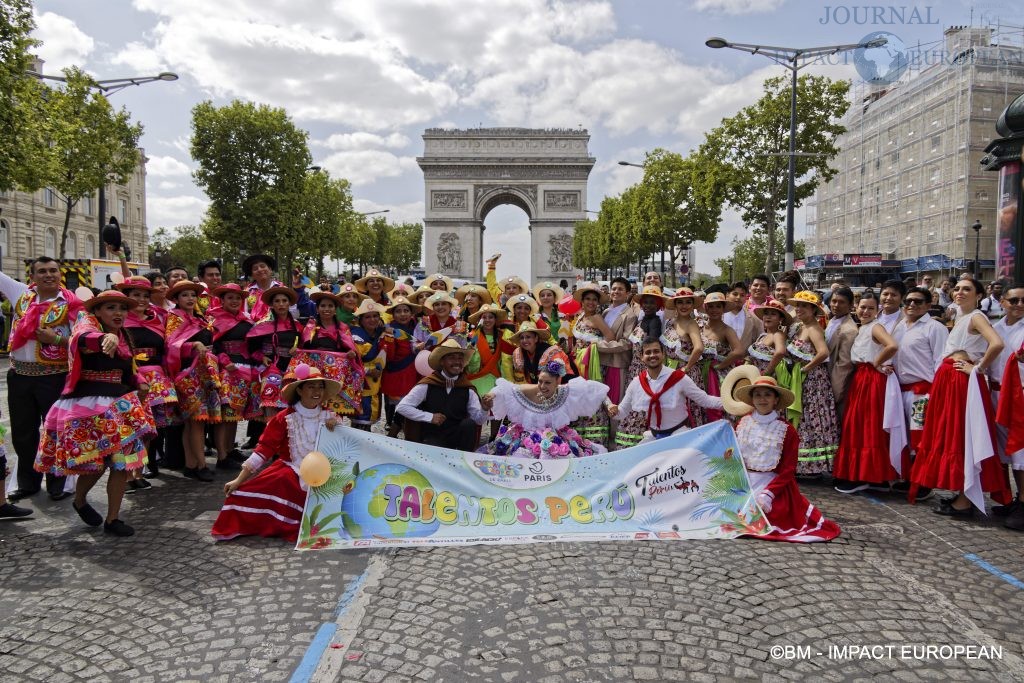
{"points": [[555, 367]]}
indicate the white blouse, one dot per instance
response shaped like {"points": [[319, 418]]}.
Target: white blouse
{"points": [[579, 398]]}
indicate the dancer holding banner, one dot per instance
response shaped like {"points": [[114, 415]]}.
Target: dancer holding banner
{"points": [[654, 406], [770, 448], [269, 503]]}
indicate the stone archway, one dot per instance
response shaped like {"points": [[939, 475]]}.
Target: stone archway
{"points": [[467, 173]]}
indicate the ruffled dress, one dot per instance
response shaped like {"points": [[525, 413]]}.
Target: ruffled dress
{"points": [[541, 430], [594, 426], [818, 425], [240, 386], [147, 334], [196, 375], [272, 342], [760, 354], [679, 350]]}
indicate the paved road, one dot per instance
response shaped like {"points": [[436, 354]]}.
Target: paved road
{"points": [[170, 605]]}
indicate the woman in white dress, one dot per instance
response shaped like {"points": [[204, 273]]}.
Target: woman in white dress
{"points": [[539, 415]]}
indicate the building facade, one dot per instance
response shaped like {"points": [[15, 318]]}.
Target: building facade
{"points": [[31, 222], [910, 184]]}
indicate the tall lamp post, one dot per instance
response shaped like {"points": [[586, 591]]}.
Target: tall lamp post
{"points": [[977, 248], [794, 59], [109, 86]]}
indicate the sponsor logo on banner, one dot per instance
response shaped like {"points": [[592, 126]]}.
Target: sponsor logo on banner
{"points": [[516, 473]]}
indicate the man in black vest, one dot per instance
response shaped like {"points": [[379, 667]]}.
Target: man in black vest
{"points": [[446, 403]]}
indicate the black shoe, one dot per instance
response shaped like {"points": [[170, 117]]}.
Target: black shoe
{"points": [[947, 510], [229, 465], [1006, 510], [152, 470], [118, 528], [9, 511], [60, 495], [849, 487], [1015, 520], [204, 474], [88, 514], [235, 455], [20, 494], [210, 453], [137, 485], [190, 472]]}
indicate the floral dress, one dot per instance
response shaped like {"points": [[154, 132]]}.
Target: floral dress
{"points": [[679, 349], [817, 424], [597, 426], [541, 429], [760, 354]]}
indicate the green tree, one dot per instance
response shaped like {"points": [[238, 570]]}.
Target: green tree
{"points": [[185, 246], [404, 246], [252, 163], [749, 256], [678, 202], [88, 143], [753, 146], [22, 124], [327, 217]]}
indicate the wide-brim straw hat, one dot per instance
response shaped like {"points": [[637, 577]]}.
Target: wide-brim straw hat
{"points": [[787, 317], [134, 282], [465, 290], [744, 393], [500, 313], [397, 301], [445, 348], [514, 280], [182, 286], [541, 286], [439, 297], [250, 261], [303, 373], [439, 277], [654, 291], [423, 291], [360, 284], [740, 376], [529, 326], [808, 297], [107, 296], [401, 289], [231, 287], [350, 289], [368, 306], [590, 287], [331, 296], [510, 305], [684, 293], [268, 294], [715, 298]]}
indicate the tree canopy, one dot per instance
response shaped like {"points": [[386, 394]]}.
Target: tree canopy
{"points": [[22, 124]]}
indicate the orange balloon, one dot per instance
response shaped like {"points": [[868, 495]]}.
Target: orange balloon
{"points": [[315, 469]]}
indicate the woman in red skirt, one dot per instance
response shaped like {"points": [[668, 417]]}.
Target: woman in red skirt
{"points": [[269, 503], [400, 374], [959, 404], [863, 455]]}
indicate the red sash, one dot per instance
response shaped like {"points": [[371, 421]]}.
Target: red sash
{"points": [[655, 410], [1011, 404], [26, 325], [921, 388]]}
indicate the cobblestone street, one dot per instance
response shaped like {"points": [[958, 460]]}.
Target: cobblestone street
{"points": [[171, 605]]}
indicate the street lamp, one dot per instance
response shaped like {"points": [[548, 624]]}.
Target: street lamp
{"points": [[793, 59], [314, 169], [370, 213], [630, 163], [109, 86], [977, 248]]}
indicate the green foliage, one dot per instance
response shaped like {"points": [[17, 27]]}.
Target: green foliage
{"points": [[22, 124], [88, 143], [252, 163], [187, 246], [754, 181], [749, 256]]}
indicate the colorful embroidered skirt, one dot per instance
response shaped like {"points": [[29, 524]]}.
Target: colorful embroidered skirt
{"points": [[87, 434], [270, 389], [162, 399], [515, 441], [199, 390], [240, 396], [340, 367]]}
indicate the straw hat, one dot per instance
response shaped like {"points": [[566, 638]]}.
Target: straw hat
{"points": [[445, 348], [655, 291], [330, 296], [514, 280], [350, 289], [250, 261], [134, 282], [497, 310], [374, 273], [424, 292], [397, 301], [269, 294], [510, 305], [465, 290], [541, 286], [438, 277], [530, 326], [808, 297], [231, 287], [590, 287], [401, 289], [106, 297], [440, 298], [184, 285], [744, 393], [303, 373], [684, 293], [715, 298], [787, 317], [740, 376], [368, 306]]}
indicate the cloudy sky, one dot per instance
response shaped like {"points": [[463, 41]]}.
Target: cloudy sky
{"points": [[366, 77]]}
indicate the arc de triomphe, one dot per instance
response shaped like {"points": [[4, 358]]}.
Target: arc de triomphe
{"points": [[467, 173]]}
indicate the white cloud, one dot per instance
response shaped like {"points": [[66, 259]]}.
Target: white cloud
{"points": [[139, 57], [362, 167], [164, 185], [738, 6], [162, 167], [63, 43], [410, 212], [362, 140], [176, 210]]}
